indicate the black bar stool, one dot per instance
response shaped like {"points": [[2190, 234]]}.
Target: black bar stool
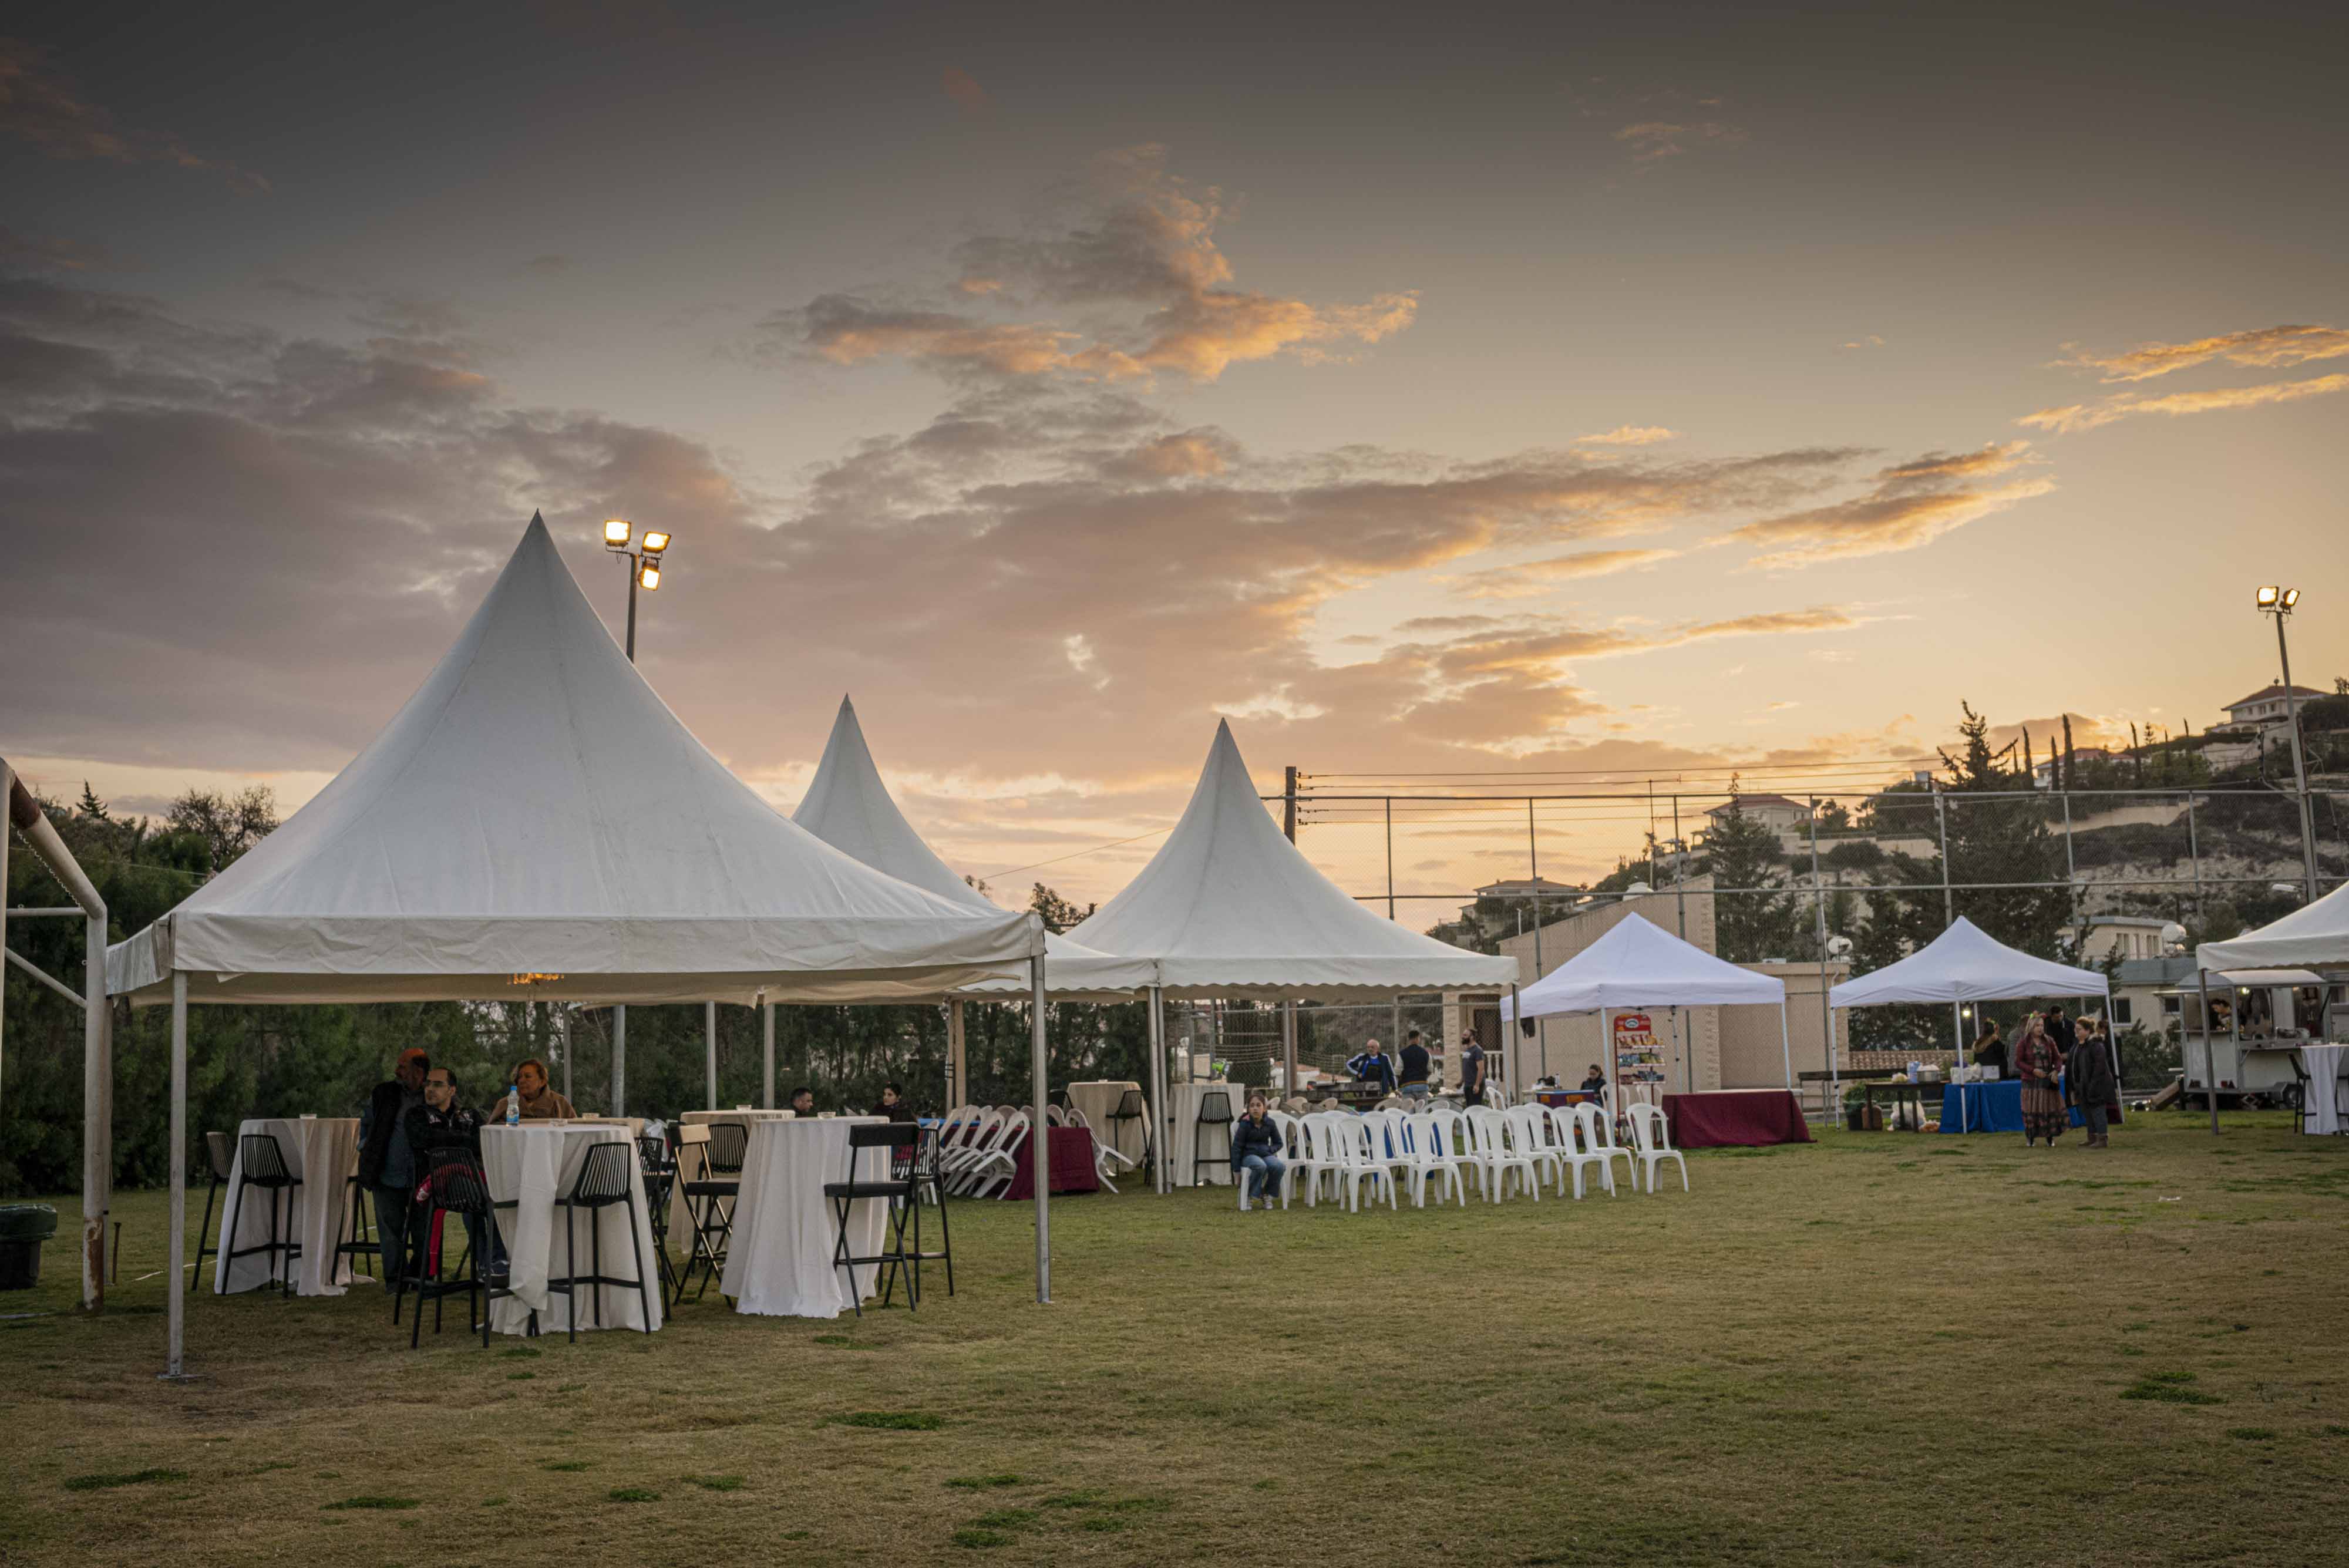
{"points": [[902, 1140], [657, 1160], [924, 1167], [457, 1187], [224, 1164], [603, 1183], [1131, 1107], [265, 1167], [1214, 1111]]}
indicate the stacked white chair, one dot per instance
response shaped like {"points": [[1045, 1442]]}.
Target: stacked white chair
{"points": [[1651, 1139]]}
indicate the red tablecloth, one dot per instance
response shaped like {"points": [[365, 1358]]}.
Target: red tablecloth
{"points": [[1072, 1165], [1735, 1116]]}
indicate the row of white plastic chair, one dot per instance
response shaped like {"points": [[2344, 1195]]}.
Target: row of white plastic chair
{"points": [[1343, 1152]]}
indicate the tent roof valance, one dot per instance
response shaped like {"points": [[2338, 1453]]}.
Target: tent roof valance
{"points": [[2316, 933]]}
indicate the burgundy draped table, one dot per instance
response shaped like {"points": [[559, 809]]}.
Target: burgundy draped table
{"points": [[1735, 1117], [1072, 1165]]}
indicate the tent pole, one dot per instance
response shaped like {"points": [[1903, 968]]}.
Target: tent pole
{"points": [[1787, 1042], [710, 1046], [2210, 1046], [1153, 1083], [176, 1286], [957, 1054], [620, 1059], [1518, 1023], [563, 1012], [97, 1111], [1039, 1139], [1288, 1047], [767, 1062]]}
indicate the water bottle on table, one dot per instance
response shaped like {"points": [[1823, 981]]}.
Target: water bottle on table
{"points": [[514, 1104]]}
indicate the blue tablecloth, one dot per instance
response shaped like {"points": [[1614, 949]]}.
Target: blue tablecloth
{"points": [[1989, 1108]]}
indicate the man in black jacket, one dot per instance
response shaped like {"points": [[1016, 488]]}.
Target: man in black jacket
{"points": [[444, 1130], [1414, 1065], [388, 1164]]}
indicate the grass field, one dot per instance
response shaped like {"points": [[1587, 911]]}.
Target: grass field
{"points": [[1881, 1348]]}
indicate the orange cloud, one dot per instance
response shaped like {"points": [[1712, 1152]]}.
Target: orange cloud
{"points": [[1911, 505], [1654, 138], [2072, 418], [2267, 347], [1628, 435], [1534, 577]]}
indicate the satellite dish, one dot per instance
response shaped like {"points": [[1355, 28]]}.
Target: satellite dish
{"points": [[1838, 946], [1639, 887]]}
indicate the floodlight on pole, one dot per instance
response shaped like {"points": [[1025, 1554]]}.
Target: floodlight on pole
{"points": [[643, 562], [2279, 602]]}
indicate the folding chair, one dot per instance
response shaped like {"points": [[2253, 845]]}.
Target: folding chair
{"points": [[897, 1191], [263, 1163]]}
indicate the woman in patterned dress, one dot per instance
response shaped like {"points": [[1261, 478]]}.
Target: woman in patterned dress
{"points": [[2037, 1063]]}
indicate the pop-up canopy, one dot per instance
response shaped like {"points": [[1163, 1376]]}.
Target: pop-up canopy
{"points": [[1229, 908], [1640, 964], [1966, 963], [535, 823], [849, 809], [2313, 934]]}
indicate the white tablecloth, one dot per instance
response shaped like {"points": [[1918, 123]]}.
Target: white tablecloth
{"points": [[530, 1164], [2324, 1065], [1097, 1100], [324, 1151], [1182, 1136], [778, 1263]]}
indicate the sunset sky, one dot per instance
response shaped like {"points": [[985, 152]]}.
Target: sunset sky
{"points": [[1650, 388]]}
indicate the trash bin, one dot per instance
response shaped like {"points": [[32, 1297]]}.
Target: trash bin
{"points": [[23, 1228]]}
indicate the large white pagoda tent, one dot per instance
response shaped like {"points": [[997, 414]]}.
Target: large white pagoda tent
{"points": [[1228, 907], [535, 823]]}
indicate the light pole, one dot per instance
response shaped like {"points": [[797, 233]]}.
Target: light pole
{"points": [[2279, 603], [644, 564]]}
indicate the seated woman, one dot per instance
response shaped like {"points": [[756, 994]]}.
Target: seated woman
{"points": [[1594, 1082], [539, 1103], [893, 1103], [1257, 1146]]}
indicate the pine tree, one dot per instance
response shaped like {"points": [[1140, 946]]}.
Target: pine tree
{"points": [[90, 805], [1740, 852]]}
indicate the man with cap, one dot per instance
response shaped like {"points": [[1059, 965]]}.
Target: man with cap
{"points": [[387, 1162]]}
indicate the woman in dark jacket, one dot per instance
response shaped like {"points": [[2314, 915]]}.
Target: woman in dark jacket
{"points": [[2091, 1082], [1258, 1144]]}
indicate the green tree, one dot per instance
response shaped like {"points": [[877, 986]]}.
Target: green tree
{"points": [[1740, 852]]}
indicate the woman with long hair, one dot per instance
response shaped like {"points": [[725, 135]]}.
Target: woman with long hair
{"points": [[2039, 1064]]}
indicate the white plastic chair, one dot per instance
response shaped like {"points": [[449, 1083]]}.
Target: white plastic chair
{"points": [[1319, 1155], [1424, 1142], [1652, 1138], [1580, 1146], [1529, 1135], [1455, 1147], [1488, 1133], [995, 1167], [1364, 1160]]}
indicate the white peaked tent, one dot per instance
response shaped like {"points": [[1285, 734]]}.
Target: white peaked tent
{"points": [[849, 807], [1966, 963], [1228, 907], [2315, 933], [535, 823], [1640, 964]]}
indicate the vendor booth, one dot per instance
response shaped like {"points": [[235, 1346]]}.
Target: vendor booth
{"points": [[1967, 964], [2298, 1023], [1639, 965]]}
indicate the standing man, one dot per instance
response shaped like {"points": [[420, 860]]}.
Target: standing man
{"points": [[388, 1163], [1372, 1068], [1471, 1069], [1415, 1071], [2059, 1030]]}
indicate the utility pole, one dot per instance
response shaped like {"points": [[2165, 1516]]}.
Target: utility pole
{"points": [[1289, 1004], [2279, 603]]}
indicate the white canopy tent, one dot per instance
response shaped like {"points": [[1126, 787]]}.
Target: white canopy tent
{"points": [[1966, 963], [1640, 964], [1228, 907], [849, 807], [535, 823], [2313, 934]]}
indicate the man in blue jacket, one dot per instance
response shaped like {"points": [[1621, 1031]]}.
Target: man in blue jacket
{"points": [[1372, 1068]]}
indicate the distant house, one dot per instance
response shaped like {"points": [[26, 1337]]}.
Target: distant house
{"points": [[1497, 901], [1775, 812], [2138, 999], [2043, 772], [2131, 936], [2267, 705]]}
